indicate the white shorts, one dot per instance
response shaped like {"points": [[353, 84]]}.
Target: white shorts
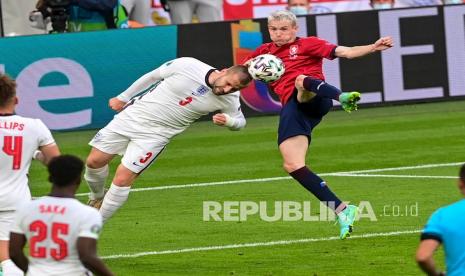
{"points": [[138, 152], [6, 219]]}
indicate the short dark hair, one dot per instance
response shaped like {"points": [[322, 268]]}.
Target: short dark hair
{"points": [[462, 173], [7, 90], [245, 77], [65, 170]]}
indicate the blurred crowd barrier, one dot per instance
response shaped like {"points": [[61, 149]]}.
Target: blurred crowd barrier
{"points": [[67, 79], [16, 13]]}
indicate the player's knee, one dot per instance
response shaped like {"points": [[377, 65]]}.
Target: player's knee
{"points": [[292, 166], [299, 81], [94, 163], [124, 177]]}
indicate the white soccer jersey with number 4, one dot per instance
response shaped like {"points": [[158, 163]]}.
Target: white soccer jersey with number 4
{"points": [[52, 226], [20, 137], [178, 95]]}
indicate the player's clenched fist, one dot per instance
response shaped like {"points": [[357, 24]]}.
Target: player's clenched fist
{"points": [[116, 104]]}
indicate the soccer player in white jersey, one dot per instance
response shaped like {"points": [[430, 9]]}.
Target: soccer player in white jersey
{"points": [[20, 138], [61, 232], [177, 93]]}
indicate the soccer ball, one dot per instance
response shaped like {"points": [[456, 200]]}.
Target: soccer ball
{"points": [[266, 68]]}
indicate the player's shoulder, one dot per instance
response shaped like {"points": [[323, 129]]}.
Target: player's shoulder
{"points": [[310, 39], [86, 209], [25, 206], [234, 95], [452, 209], [31, 122]]}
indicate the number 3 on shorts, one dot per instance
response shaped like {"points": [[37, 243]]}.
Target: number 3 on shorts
{"points": [[146, 158]]}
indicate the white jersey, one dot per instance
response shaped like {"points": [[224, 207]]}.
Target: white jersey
{"points": [[20, 137], [178, 93], [52, 226]]}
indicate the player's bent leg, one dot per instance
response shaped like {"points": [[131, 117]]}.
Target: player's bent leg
{"points": [[96, 174], [118, 193], [317, 86], [293, 151], [303, 95]]}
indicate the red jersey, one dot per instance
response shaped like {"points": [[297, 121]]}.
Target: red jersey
{"points": [[304, 56]]}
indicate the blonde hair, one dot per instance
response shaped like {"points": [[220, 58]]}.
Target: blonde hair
{"points": [[283, 15]]}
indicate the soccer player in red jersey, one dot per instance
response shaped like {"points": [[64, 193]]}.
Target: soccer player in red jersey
{"points": [[306, 98]]}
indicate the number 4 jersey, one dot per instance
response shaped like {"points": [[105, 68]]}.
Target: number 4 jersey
{"points": [[52, 226], [20, 137]]}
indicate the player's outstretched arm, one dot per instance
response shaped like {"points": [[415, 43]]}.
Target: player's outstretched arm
{"points": [[87, 250], [358, 51], [17, 243]]}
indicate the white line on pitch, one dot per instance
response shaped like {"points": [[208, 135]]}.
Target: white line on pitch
{"points": [[256, 244], [408, 167], [269, 179], [397, 176]]}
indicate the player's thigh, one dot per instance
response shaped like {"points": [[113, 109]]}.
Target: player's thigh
{"points": [[105, 145], [140, 155], [6, 219], [294, 149], [293, 122]]}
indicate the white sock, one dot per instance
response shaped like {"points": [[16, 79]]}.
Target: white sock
{"points": [[96, 180], [114, 199], [10, 269]]}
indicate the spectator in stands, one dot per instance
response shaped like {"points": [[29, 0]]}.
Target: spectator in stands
{"points": [[138, 10], [382, 4], [79, 16], [182, 11], [299, 7]]}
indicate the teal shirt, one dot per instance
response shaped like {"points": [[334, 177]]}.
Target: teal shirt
{"points": [[447, 225]]}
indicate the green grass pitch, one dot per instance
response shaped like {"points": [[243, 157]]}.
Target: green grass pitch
{"points": [[161, 231]]}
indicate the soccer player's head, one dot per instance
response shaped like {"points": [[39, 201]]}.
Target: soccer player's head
{"points": [[231, 80], [282, 26], [462, 179], [7, 92], [65, 171]]}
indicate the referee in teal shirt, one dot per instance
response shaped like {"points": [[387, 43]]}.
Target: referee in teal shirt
{"points": [[446, 226]]}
